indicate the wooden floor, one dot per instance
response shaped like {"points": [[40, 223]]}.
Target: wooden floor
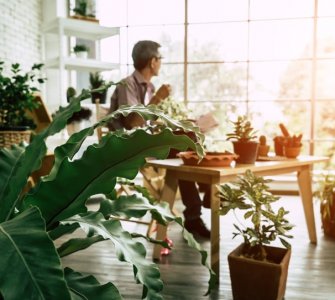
{"points": [[311, 271]]}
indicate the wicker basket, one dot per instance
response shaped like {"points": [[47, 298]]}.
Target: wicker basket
{"points": [[8, 138]]}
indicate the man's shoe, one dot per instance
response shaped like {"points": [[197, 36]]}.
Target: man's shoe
{"points": [[197, 227]]}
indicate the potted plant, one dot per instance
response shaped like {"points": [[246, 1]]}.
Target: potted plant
{"points": [[257, 270], [96, 82], [84, 11], [31, 223], [263, 148], [81, 50], [286, 144], [244, 145], [17, 97], [325, 193]]}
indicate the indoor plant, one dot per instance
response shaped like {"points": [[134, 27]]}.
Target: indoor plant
{"points": [[263, 148], [81, 50], [257, 270], [96, 82], [243, 138], [31, 222], [16, 98], [325, 193]]}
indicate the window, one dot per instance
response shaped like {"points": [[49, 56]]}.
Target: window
{"points": [[243, 56]]}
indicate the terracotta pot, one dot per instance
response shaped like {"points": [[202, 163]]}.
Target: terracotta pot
{"points": [[291, 152], [263, 150], [247, 152], [261, 280], [328, 220], [211, 159], [279, 146], [173, 152]]}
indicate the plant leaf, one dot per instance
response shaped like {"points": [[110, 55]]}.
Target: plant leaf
{"points": [[126, 248], [88, 287], [30, 266], [100, 164]]}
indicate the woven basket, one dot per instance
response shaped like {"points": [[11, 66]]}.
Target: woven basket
{"points": [[8, 138]]}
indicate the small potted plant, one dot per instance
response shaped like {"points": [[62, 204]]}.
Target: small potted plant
{"points": [[257, 270], [81, 50], [96, 81], [17, 98], [244, 142], [84, 11], [263, 148], [325, 193]]}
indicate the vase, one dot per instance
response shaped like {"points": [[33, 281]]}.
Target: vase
{"points": [[291, 152], [261, 280]]}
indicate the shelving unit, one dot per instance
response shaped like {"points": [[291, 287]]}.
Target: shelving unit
{"points": [[57, 54]]}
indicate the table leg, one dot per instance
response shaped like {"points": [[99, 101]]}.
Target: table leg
{"points": [[215, 231], [305, 186], [168, 195]]}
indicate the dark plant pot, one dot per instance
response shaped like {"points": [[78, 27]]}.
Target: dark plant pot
{"points": [[100, 96], [328, 220], [261, 280], [247, 152]]}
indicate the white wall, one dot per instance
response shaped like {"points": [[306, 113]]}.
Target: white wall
{"points": [[20, 32]]}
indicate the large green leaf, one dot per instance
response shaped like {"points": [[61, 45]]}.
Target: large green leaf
{"points": [[126, 249], [9, 159], [76, 244], [89, 288], [29, 264], [136, 206], [99, 167]]}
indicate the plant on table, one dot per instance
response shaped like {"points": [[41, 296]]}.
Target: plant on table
{"points": [[244, 143], [32, 222]]}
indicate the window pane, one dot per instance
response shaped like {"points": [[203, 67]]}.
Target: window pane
{"points": [[324, 119], [273, 9], [326, 7], [208, 82], [280, 39], [280, 80], [266, 117], [171, 38], [326, 38], [205, 44], [217, 10], [112, 12], [173, 75], [148, 12], [325, 79], [325, 149]]}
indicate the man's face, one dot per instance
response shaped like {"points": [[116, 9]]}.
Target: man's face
{"points": [[156, 64]]}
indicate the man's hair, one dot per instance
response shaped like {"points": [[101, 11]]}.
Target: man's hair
{"points": [[143, 52]]}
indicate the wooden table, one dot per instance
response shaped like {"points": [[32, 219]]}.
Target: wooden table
{"points": [[175, 170]]}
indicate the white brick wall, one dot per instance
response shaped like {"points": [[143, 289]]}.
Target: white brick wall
{"points": [[20, 32]]}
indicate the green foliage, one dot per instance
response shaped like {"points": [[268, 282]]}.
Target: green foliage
{"points": [[174, 109], [80, 48], [17, 95], [251, 193], [325, 193], [31, 222], [243, 131], [96, 80]]}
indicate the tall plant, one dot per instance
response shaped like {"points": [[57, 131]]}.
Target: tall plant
{"points": [[30, 223], [251, 193]]}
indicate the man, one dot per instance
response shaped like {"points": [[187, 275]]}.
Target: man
{"points": [[139, 89]]}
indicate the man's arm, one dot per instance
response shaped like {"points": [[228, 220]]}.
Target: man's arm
{"points": [[163, 92]]}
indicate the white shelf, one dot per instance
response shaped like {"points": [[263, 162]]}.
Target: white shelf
{"points": [[81, 64], [81, 29]]}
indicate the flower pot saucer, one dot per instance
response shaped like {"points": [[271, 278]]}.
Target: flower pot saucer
{"points": [[211, 159]]}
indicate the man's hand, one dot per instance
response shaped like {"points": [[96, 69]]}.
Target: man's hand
{"points": [[163, 92]]}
